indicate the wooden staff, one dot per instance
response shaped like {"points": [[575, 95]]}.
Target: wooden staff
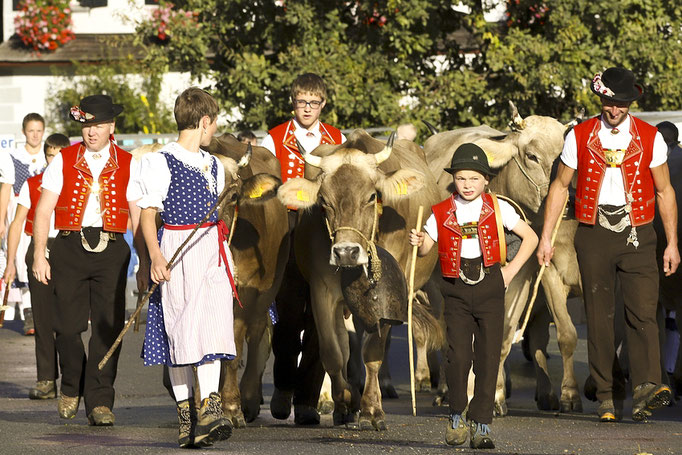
{"points": [[420, 215], [143, 300], [518, 336], [4, 304]]}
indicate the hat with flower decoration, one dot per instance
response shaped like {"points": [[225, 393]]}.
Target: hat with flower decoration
{"points": [[617, 84], [95, 109]]}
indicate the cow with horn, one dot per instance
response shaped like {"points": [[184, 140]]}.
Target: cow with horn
{"points": [[342, 229]]}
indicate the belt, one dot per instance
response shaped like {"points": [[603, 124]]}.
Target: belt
{"points": [[223, 233]]}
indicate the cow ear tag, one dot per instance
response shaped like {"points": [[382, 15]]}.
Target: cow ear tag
{"points": [[489, 157], [401, 188], [302, 196], [256, 193]]}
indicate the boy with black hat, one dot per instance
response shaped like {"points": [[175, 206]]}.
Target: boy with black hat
{"points": [[92, 185], [622, 171], [469, 228]]}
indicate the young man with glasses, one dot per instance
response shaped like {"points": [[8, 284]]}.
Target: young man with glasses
{"points": [[300, 383]]}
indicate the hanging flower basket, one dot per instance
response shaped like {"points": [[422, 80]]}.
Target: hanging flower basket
{"points": [[167, 21], [44, 25]]}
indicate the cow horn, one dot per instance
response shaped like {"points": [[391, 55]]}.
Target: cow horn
{"points": [[517, 123], [244, 161], [430, 127], [310, 159], [386, 152], [578, 118]]}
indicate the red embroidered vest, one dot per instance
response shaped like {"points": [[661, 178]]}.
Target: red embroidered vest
{"points": [[634, 168], [34, 195], [113, 182], [450, 235], [286, 149]]}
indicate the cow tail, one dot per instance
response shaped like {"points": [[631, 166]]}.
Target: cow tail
{"points": [[427, 330]]}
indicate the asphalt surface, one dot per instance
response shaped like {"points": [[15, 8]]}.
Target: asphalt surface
{"points": [[146, 420]]}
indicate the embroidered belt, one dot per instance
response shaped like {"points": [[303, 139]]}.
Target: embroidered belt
{"points": [[470, 230], [614, 158], [223, 232]]}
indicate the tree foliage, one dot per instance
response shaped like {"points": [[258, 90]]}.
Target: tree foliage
{"points": [[391, 61]]}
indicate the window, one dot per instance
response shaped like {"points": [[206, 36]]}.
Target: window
{"points": [[93, 3]]}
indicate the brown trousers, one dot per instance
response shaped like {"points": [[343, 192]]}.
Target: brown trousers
{"points": [[604, 255], [474, 311]]}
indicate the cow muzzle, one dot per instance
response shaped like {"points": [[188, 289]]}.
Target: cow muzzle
{"points": [[348, 254]]}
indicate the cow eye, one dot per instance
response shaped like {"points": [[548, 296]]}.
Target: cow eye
{"points": [[533, 158], [372, 198]]}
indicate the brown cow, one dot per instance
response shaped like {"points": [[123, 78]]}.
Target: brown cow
{"points": [[260, 248], [523, 159], [343, 217]]}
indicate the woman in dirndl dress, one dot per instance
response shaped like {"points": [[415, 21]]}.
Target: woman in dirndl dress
{"points": [[190, 321]]}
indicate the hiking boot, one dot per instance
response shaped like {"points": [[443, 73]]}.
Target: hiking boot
{"points": [[479, 434], [43, 390], [457, 431], [280, 404], [306, 415], [648, 397], [67, 406], [211, 425], [29, 327], [101, 416], [185, 437], [610, 410]]}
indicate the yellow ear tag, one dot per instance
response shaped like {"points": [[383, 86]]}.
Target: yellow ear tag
{"points": [[302, 196], [490, 158], [256, 193], [401, 188]]}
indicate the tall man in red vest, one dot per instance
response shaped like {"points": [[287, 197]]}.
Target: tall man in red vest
{"points": [[301, 383], [622, 172], [91, 187]]}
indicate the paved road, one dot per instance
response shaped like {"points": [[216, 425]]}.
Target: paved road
{"points": [[146, 420]]}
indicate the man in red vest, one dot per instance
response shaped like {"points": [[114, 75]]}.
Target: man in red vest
{"points": [[301, 383], [622, 171], [91, 187]]}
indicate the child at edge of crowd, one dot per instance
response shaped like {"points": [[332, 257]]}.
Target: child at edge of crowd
{"points": [[189, 324], [42, 295], [467, 227]]}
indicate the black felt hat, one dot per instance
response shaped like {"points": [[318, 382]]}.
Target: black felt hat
{"points": [[617, 84], [469, 157], [95, 109]]}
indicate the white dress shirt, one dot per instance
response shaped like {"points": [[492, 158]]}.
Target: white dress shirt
{"points": [[309, 139]]}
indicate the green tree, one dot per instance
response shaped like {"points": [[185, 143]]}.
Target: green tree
{"points": [[391, 61]]}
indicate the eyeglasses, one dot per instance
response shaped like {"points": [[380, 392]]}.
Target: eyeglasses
{"points": [[303, 103]]}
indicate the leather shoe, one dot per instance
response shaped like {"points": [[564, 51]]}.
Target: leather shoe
{"points": [[43, 390], [306, 415], [280, 404], [610, 410], [101, 416], [648, 397], [67, 406]]}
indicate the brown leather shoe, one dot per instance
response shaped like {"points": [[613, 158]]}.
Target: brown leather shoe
{"points": [[43, 390], [101, 416], [68, 406]]}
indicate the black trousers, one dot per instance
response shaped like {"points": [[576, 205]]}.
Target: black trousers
{"points": [[296, 316], [604, 255], [89, 286], [43, 302], [474, 311]]}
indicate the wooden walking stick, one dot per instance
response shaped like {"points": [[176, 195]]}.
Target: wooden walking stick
{"points": [[420, 215], [4, 304], [518, 336], [143, 300]]}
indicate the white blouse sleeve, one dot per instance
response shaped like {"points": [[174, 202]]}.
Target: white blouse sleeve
{"points": [[53, 177], [154, 181], [431, 227], [134, 191], [269, 143], [24, 196], [6, 168]]}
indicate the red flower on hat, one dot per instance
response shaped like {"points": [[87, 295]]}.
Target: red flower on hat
{"points": [[78, 115]]}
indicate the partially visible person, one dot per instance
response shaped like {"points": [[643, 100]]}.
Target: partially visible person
{"points": [[467, 227], [91, 188], [190, 320], [296, 381], [42, 295], [24, 162], [622, 175], [247, 137]]}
